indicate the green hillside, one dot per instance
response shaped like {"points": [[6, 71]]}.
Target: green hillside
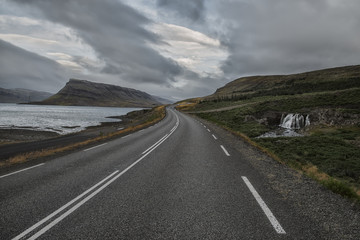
{"points": [[316, 81], [329, 149]]}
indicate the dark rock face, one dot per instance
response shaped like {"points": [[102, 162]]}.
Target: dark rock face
{"points": [[334, 116], [19, 95], [86, 93]]}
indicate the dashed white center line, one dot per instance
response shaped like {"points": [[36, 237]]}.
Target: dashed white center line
{"points": [[95, 147], [22, 170], [225, 151], [208, 130], [274, 222], [214, 137]]}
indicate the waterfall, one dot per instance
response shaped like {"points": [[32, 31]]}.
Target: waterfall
{"points": [[307, 121], [294, 121]]}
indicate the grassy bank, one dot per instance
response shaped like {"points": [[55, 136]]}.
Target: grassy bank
{"points": [[330, 150], [136, 120], [330, 155]]}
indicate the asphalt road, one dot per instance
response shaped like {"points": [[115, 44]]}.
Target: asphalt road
{"points": [[175, 180]]}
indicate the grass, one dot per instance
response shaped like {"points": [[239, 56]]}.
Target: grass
{"points": [[332, 153], [349, 98], [333, 150], [235, 120], [316, 81], [154, 116], [329, 154], [341, 188]]}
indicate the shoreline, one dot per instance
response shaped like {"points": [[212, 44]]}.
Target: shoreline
{"points": [[21, 145], [17, 135]]}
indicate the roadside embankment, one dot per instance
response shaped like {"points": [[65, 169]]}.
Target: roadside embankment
{"points": [[328, 150], [25, 151]]}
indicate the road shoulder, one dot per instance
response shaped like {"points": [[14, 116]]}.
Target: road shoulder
{"points": [[338, 217]]}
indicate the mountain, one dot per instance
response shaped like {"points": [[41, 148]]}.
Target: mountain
{"points": [[315, 81], [19, 95], [85, 93]]}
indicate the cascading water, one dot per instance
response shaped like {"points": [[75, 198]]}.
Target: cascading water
{"points": [[288, 124], [294, 121]]}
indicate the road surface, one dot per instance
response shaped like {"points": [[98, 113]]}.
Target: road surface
{"points": [[175, 180]]}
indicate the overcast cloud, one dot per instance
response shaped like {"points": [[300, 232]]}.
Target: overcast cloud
{"points": [[35, 70], [175, 49]]}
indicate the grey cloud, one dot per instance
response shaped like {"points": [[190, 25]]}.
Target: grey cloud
{"points": [[117, 33], [193, 9], [20, 68], [280, 36], [261, 36]]}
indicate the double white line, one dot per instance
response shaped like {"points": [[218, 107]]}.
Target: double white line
{"points": [[48, 222], [161, 140]]}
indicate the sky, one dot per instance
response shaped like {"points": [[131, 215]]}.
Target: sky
{"points": [[175, 49]]}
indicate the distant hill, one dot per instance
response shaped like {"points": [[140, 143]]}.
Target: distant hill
{"points": [[86, 93], [315, 81], [19, 95], [320, 110]]}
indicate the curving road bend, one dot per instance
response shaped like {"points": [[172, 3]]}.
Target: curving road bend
{"points": [[175, 180]]}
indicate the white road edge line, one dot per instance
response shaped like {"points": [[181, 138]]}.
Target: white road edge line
{"points": [[68, 212], [94, 147], [225, 151], [214, 137], [22, 170], [61, 208], [264, 207]]}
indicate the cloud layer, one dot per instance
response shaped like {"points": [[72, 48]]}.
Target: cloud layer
{"points": [[118, 35], [193, 10], [289, 36], [23, 69], [175, 49]]}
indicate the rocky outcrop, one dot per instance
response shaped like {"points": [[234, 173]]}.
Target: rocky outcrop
{"points": [[334, 116], [325, 116], [86, 93]]}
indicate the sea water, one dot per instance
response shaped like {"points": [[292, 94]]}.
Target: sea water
{"points": [[60, 119]]}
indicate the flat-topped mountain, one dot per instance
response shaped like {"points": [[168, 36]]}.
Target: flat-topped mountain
{"points": [[20, 95], [86, 93]]}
